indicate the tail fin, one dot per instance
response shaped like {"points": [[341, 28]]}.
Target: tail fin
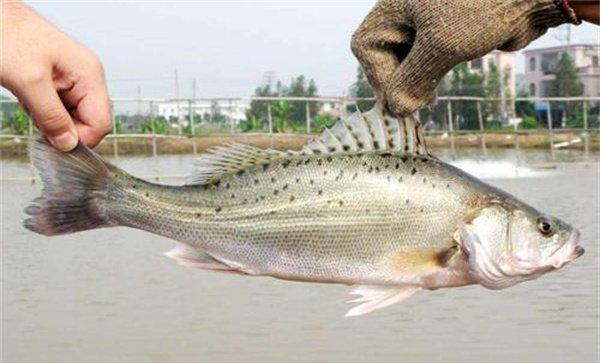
{"points": [[74, 184]]}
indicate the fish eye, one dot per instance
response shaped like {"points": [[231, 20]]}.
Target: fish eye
{"points": [[544, 226]]}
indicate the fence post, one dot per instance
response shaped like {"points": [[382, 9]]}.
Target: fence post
{"points": [[154, 153], [231, 120], [481, 128], [114, 131], [270, 118], [192, 127], [451, 128], [550, 131], [586, 137], [308, 118]]}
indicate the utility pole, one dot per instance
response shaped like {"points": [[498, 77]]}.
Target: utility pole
{"points": [[139, 100], [177, 102]]}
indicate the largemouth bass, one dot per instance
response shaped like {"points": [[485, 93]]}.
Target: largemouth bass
{"points": [[363, 205]]}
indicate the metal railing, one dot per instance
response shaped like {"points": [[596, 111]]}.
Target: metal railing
{"points": [[448, 108]]}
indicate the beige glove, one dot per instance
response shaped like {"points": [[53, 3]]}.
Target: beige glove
{"points": [[407, 46]]}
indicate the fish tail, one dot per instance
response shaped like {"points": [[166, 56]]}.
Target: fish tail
{"points": [[75, 184]]}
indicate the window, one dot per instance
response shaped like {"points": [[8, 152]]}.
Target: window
{"points": [[549, 62], [532, 89], [595, 61], [532, 64]]}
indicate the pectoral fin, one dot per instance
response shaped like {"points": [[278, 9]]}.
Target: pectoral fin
{"points": [[378, 297]]}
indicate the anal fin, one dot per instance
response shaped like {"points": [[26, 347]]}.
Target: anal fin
{"points": [[378, 297], [197, 258]]}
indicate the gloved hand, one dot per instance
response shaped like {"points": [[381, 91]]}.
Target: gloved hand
{"points": [[407, 46]]}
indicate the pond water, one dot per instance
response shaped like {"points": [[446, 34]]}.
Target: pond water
{"points": [[111, 296]]}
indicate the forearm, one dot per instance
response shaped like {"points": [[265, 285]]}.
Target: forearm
{"points": [[587, 10]]}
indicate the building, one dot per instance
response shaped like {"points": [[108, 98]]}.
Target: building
{"points": [[540, 65], [233, 109], [506, 63]]}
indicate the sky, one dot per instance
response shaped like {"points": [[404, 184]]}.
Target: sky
{"points": [[227, 46]]}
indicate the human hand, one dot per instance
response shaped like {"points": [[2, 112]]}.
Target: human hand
{"points": [[59, 82], [407, 46]]}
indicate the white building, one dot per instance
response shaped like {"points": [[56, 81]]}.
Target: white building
{"points": [[234, 109], [506, 63], [540, 66]]}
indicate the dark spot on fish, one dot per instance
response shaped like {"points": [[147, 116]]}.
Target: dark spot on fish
{"points": [[227, 186], [397, 165], [272, 179], [376, 144], [331, 149], [360, 145], [413, 171], [354, 176], [377, 170], [317, 151], [421, 210], [386, 155], [265, 166], [406, 202], [433, 185], [285, 187], [325, 172], [341, 203], [255, 181], [272, 212], [286, 163], [240, 172], [389, 178], [400, 180], [275, 192], [297, 180], [262, 197], [414, 160], [292, 198], [329, 159], [424, 160], [255, 200], [320, 192], [198, 215], [406, 147], [232, 196], [404, 158], [217, 183], [245, 201], [386, 122], [448, 185], [133, 186], [319, 161], [218, 209], [311, 181], [424, 180], [147, 194], [364, 163], [367, 211], [299, 162], [370, 169], [307, 161], [345, 147]]}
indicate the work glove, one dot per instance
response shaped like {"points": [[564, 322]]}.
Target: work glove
{"points": [[407, 46]]}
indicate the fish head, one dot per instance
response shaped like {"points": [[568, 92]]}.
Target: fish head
{"points": [[508, 242]]}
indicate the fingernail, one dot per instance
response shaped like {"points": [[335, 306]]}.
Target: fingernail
{"points": [[65, 141]]}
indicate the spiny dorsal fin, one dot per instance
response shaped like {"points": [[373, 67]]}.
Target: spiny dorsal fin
{"points": [[229, 158], [372, 130]]}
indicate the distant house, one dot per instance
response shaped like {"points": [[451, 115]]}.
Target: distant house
{"points": [[234, 109], [540, 66], [505, 61]]}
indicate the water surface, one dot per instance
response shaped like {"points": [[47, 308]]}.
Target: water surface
{"points": [[111, 296]]}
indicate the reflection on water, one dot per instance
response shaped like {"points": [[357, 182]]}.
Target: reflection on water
{"points": [[110, 295]]}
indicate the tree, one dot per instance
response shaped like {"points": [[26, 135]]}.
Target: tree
{"points": [[281, 115], [158, 123], [566, 84], [19, 122], [465, 82], [362, 89]]}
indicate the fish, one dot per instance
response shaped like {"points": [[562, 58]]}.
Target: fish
{"points": [[365, 204]]}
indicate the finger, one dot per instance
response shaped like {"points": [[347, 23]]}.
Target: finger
{"points": [[380, 43], [92, 113], [49, 114], [414, 82], [91, 108]]}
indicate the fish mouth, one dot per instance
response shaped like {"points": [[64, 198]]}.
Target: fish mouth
{"points": [[570, 251]]}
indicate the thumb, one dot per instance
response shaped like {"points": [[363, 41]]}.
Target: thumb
{"points": [[414, 82], [49, 114]]}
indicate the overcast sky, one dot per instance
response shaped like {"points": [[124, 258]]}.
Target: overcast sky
{"points": [[226, 45]]}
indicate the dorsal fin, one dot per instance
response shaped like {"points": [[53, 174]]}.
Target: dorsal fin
{"points": [[372, 130], [229, 158]]}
